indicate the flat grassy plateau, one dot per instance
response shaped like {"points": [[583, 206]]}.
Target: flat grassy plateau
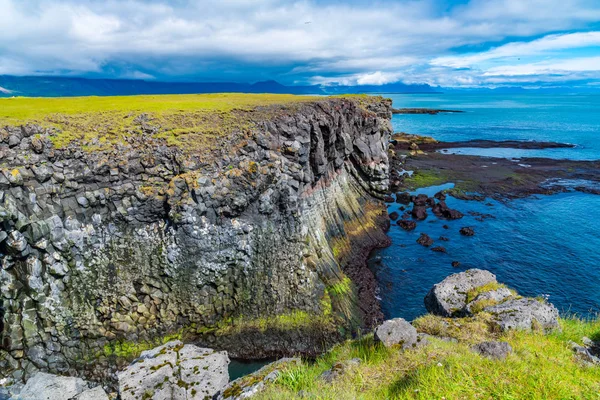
{"points": [[191, 122]]}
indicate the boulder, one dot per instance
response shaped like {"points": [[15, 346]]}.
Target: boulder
{"points": [[43, 386], [449, 297], [495, 350], [396, 331], [403, 198], [175, 371], [439, 249], [419, 213], [425, 240], [467, 231], [456, 264], [394, 215], [490, 298], [524, 314], [407, 225]]}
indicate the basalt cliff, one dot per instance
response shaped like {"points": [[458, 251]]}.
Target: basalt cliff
{"points": [[255, 244]]}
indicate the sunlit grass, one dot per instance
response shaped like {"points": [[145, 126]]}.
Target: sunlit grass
{"points": [[540, 367]]}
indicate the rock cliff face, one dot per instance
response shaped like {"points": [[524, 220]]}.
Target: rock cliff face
{"points": [[258, 248]]}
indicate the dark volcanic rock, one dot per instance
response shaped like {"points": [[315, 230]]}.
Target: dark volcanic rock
{"points": [[403, 198], [456, 264], [439, 249], [420, 200], [440, 195], [388, 199], [467, 231], [419, 213], [452, 214], [444, 239], [394, 215], [425, 240], [407, 225], [132, 240]]}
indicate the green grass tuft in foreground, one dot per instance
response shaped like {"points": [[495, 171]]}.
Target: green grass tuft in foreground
{"points": [[541, 367]]}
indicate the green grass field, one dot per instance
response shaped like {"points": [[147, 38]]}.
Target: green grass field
{"points": [[541, 367], [192, 122]]}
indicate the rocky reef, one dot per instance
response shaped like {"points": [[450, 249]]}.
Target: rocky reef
{"points": [[255, 244]]}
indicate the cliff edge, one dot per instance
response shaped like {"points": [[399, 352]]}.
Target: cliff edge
{"points": [[240, 222]]}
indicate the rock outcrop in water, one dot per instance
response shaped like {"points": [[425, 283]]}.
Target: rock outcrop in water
{"points": [[258, 248], [476, 290]]}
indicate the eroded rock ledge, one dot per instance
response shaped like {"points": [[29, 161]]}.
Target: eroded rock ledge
{"points": [[257, 248]]}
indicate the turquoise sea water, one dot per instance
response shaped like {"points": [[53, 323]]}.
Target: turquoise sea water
{"points": [[543, 245]]}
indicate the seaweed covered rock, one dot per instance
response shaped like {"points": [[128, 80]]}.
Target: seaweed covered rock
{"points": [[175, 371], [449, 297], [396, 331]]}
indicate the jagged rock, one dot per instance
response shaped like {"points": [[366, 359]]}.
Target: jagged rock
{"points": [[175, 371], [525, 314], [42, 386], [495, 350], [419, 212], [403, 198], [449, 297], [407, 225], [489, 298], [425, 240], [467, 231], [589, 353], [396, 331], [339, 369]]}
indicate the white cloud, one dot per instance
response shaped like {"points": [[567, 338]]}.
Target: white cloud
{"points": [[520, 49], [355, 42], [582, 64]]}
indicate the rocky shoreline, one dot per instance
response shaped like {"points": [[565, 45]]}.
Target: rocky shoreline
{"points": [[477, 177]]}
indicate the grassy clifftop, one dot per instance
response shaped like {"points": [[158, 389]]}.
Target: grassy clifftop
{"points": [[191, 122], [540, 367]]}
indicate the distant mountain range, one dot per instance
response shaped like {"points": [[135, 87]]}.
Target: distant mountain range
{"points": [[49, 86], [44, 86]]}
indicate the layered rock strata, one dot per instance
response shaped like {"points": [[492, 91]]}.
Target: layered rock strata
{"points": [[258, 248]]}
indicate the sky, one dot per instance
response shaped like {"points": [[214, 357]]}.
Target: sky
{"points": [[462, 43]]}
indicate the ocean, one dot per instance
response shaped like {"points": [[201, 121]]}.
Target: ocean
{"points": [[541, 245]]}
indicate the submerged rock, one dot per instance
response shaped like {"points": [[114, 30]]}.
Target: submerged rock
{"points": [[419, 212], [396, 331], [449, 297], [394, 215], [425, 240], [467, 231], [407, 225], [403, 198], [175, 371]]}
